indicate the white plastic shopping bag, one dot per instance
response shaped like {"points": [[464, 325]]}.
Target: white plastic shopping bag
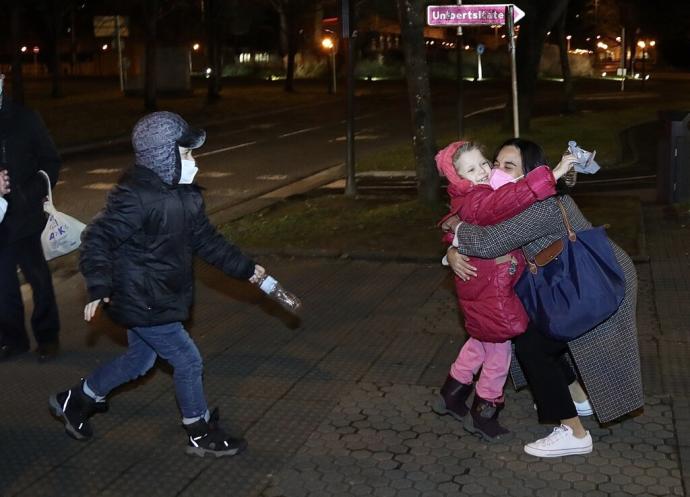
{"points": [[62, 233]]}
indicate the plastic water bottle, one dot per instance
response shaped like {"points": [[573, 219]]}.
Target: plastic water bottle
{"points": [[271, 287]]}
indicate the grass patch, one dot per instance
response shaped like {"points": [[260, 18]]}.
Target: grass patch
{"points": [[393, 224], [622, 213], [334, 222]]}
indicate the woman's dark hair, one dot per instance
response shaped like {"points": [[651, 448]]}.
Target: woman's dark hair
{"points": [[533, 156]]}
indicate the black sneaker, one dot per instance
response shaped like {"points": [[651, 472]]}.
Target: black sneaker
{"points": [[209, 438], [75, 408]]}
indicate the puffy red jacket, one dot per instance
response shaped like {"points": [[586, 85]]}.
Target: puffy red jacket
{"points": [[492, 310]]}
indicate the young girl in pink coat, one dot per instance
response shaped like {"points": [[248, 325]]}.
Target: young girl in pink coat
{"points": [[493, 313]]}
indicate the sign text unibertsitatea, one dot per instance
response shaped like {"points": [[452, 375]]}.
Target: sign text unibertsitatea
{"points": [[481, 15]]}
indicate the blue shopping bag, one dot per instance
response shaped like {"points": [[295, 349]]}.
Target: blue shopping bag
{"points": [[573, 285]]}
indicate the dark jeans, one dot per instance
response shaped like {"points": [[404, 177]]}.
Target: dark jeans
{"points": [[548, 374], [172, 343], [26, 254]]}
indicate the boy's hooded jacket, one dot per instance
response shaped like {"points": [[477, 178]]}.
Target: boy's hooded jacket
{"points": [[492, 310], [138, 250]]}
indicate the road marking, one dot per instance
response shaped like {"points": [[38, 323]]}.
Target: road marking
{"points": [[99, 186], [299, 132], [272, 177], [226, 149], [214, 174], [104, 171], [486, 109]]}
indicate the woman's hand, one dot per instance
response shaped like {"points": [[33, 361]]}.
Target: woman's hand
{"points": [[4, 183], [460, 265], [567, 162]]}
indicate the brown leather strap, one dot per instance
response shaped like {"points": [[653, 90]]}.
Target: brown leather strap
{"points": [[571, 233]]}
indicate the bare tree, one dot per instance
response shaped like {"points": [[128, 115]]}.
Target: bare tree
{"points": [[568, 86], [16, 36], [540, 17], [412, 14]]}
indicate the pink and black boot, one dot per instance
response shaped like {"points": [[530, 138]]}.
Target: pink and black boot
{"points": [[452, 399], [483, 419]]}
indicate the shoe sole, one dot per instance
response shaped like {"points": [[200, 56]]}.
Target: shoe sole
{"points": [[201, 452], [469, 427], [56, 410], [439, 407], [557, 453]]}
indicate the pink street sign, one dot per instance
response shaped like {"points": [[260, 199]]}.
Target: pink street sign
{"points": [[470, 15]]}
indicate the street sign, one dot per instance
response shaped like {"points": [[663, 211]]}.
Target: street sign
{"points": [[480, 48], [470, 15]]}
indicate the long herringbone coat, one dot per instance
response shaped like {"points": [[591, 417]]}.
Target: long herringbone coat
{"points": [[607, 357]]}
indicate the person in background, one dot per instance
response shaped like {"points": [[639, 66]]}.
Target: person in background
{"points": [[25, 149], [4, 190]]}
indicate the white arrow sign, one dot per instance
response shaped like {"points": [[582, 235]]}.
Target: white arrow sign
{"points": [[470, 15]]}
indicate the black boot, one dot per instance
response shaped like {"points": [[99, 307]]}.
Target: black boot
{"points": [[75, 408], [209, 438], [452, 399], [483, 420]]}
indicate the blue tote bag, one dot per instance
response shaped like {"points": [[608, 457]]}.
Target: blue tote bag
{"points": [[573, 285]]}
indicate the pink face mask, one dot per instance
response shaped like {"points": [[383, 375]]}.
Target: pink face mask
{"points": [[498, 178]]}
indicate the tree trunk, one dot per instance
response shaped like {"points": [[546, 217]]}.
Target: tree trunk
{"points": [[150, 84], [213, 42], [57, 14], [540, 17], [419, 92], [291, 30], [568, 86], [16, 34]]}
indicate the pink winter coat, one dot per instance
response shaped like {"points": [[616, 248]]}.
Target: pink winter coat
{"points": [[492, 310]]}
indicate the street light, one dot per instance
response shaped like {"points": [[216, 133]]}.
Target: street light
{"points": [[568, 38], [36, 51], [328, 44]]}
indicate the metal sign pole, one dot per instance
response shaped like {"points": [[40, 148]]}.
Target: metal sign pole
{"points": [[459, 48], [513, 72], [348, 35]]}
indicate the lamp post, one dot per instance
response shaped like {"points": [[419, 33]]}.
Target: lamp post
{"points": [[36, 51], [328, 45], [643, 45], [567, 39]]}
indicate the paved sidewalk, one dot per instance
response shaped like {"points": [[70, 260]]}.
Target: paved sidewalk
{"points": [[337, 403]]}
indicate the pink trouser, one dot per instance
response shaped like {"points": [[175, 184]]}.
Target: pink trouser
{"points": [[492, 358]]}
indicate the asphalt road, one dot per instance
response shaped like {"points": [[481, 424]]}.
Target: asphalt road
{"points": [[251, 155]]}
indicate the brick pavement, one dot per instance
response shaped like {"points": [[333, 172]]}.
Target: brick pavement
{"points": [[337, 403]]}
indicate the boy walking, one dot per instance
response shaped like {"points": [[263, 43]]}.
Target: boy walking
{"points": [[136, 257]]}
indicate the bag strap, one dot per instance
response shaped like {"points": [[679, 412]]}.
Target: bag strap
{"points": [[572, 236], [50, 190]]}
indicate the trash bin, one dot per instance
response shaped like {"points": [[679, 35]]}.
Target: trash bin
{"points": [[673, 165]]}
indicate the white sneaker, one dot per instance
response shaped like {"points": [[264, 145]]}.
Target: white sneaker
{"points": [[584, 408], [561, 442]]}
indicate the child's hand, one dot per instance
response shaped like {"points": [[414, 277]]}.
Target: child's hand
{"points": [[4, 183], [567, 162], [259, 272], [450, 224], [90, 309]]}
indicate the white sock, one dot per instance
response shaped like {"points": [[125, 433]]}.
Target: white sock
{"points": [[91, 393], [189, 421]]}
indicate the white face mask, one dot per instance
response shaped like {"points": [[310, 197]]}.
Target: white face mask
{"points": [[188, 172]]}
